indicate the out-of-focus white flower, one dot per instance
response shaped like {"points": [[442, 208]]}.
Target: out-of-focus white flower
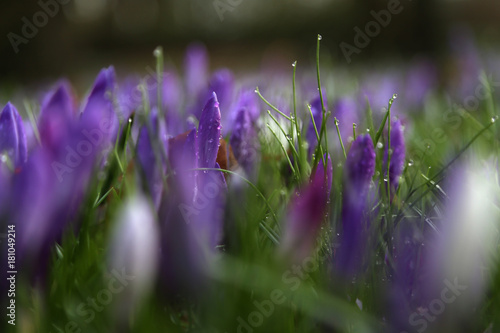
{"points": [[134, 248]]}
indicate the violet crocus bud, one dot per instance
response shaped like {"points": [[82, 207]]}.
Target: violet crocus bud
{"points": [[398, 148], [305, 216], [358, 173], [12, 135], [244, 142], [134, 250]]}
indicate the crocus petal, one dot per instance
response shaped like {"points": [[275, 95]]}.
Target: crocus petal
{"points": [[209, 200], [244, 141], [99, 111], [57, 116], [12, 135], [360, 164], [305, 216], [249, 100], [398, 155], [358, 172], [129, 96], [209, 133], [178, 214]]}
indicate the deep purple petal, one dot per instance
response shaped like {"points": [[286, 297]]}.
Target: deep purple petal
{"points": [[306, 213], [358, 172], [398, 154], [244, 141], [99, 110], [209, 133], [57, 116], [12, 135]]}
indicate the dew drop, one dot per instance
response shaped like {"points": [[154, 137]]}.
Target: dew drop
{"points": [[380, 145], [394, 96], [157, 52], [320, 37], [410, 163], [294, 64], [493, 119]]}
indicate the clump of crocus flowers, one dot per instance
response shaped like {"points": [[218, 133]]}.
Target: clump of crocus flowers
{"points": [[193, 176]]}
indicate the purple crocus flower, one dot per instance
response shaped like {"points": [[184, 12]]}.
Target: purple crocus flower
{"points": [[346, 112], [422, 78], [358, 173], [192, 210], [244, 142], [64, 164], [307, 213], [129, 96], [406, 283], [249, 100], [12, 135], [318, 120], [398, 155], [222, 83], [196, 69]]}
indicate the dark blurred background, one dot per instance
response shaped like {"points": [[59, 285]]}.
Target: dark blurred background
{"points": [[85, 35]]}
